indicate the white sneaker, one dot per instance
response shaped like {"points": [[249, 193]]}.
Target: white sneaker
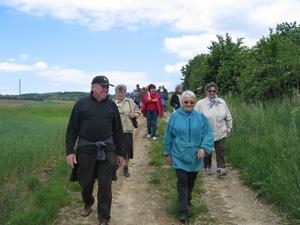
{"points": [[221, 171], [148, 136], [154, 138]]}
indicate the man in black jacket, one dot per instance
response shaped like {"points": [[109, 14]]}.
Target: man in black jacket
{"points": [[96, 125]]}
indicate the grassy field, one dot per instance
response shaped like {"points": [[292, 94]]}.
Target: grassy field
{"points": [[32, 169], [265, 145]]}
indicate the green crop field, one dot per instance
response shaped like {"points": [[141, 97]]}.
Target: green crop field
{"points": [[32, 161]]}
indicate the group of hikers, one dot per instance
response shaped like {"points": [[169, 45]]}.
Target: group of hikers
{"points": [[99, 138]]}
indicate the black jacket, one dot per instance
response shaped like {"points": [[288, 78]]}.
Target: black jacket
{"points": [[94, 121], [174, 102]]}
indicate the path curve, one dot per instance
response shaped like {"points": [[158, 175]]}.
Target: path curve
{"points": [[230, 202]]}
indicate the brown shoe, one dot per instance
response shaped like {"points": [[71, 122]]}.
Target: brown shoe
{"points": [[86, 211]]}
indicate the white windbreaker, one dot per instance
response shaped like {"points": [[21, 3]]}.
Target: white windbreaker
{"points": [[218, 115]]}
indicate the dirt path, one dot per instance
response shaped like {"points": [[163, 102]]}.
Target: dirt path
{"points": [[135, 202], [232, 203]]}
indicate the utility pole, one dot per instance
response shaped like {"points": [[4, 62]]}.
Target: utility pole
{"points": [[19, 88]]}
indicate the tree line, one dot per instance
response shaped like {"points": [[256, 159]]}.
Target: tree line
{"points": [[268, 70], [60, 96]]}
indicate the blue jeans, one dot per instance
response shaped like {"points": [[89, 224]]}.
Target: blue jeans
{"points": [[152, 122]]}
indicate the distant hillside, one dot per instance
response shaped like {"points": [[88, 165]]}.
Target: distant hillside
{"points": [[61, 96]]}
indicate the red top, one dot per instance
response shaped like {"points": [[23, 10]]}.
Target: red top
{"points": [[149, 105]]}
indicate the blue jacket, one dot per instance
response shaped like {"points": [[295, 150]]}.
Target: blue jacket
{"points": [[184, 135]]}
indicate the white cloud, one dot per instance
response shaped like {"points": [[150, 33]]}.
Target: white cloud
{"points": [[65, 75], [189, 15], [270, 13], [174, 68], [7, 67], [188, 46], [10, 67], [41, 65]]}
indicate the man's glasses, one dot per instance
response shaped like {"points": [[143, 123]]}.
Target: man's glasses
{"points": [[189, 102], [104, 86], [212, 91]]}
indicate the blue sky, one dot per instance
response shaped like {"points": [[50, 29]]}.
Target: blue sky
{"points": [[60, 45]]}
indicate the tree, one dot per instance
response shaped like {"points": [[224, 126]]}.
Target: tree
{"points": [[273, 69]]}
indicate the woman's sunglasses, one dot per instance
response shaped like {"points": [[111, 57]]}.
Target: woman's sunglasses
{"points": [[189, 102]]}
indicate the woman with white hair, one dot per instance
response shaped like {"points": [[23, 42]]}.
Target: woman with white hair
{"points": [[188, 138]]}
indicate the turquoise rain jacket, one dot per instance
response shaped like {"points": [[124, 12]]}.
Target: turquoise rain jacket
{"points": [[184, 135]]}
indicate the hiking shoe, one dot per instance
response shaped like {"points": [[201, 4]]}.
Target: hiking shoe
{"points": [[125, 171], [86, 211], [154, 138], [183, 217], [207, 171], [148, 135], [221, 171], [114, 174]]}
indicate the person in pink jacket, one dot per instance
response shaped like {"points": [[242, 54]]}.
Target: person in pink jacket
{"points": [[152, 108]]}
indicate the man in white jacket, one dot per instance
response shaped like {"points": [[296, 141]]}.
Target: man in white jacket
{"points": [[219, 116]]}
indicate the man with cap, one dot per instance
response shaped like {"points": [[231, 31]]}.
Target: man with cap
{"points": [[96, 125]]}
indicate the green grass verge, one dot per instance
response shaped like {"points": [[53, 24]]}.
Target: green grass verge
{"points": [[265, 146]]}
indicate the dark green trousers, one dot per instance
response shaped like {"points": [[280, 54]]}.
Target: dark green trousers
{"points": [[89, 170]]}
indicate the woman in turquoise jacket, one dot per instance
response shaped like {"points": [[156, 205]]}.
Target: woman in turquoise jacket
{"points": [[188, 138]]}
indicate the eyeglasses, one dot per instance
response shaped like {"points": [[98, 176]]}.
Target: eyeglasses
{"points": [[212, 91], [104, 86], [189, 102]]}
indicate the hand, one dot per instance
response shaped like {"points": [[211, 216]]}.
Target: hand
{"points": [[119, 160], [169, 160], [154, 100], [71, 159], [201, 153], [131, 115]]}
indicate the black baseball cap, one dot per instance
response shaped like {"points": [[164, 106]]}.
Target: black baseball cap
{"points": [[101, 80]]}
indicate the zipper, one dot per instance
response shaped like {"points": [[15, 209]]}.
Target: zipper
{"points": [[189, 129]]}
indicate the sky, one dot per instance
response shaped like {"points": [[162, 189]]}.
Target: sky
{"points": [[60, 45]]}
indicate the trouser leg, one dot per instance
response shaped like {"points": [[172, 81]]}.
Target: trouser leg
{"points": [[154, 123], [219, 148], [182, 190], [207, 161], [148, 116], [86, 175], [104, 174], [191, 181]]}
